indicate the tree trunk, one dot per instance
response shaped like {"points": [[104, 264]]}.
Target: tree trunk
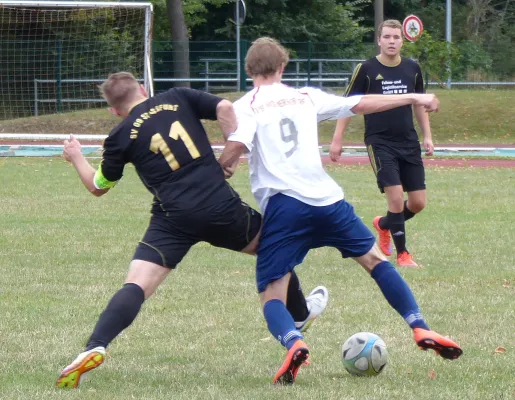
{"points": [[180, 39], [506, 5], [378, 20]]}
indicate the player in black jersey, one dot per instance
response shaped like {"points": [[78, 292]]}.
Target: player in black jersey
{"points": [[391, 139], [163, 137]]}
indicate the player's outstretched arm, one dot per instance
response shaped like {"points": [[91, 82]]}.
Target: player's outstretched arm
{"points": [[72, 153], [226, 118], [373, 103]]}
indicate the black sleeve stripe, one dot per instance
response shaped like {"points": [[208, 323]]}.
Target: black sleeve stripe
{"points": [[419, 83], [352, 80]]}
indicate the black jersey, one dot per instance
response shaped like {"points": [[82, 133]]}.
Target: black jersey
{"points": [[165, 140], [392, 127]]}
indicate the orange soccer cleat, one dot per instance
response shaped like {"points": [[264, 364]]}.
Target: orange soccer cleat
{"points": [[443, 346], [385, 241], [297, 356], [404, 259]]}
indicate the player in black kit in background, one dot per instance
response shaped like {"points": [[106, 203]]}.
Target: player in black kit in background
{"points": [[391, 139], [164, 138]]}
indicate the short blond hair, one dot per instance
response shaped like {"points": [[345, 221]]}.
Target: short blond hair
{"points": [[119, 89], [389, 23], [265, 57]]}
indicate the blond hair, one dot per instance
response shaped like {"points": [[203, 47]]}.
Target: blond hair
{"points": [[265, 57], [120, 89], [389, 23]]}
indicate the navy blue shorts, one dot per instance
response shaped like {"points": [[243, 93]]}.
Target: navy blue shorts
{"points": [[291, 228]]}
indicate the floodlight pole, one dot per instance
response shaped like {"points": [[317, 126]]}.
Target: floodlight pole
{"points": [[238, 55], [378, 19], [448, 26]]}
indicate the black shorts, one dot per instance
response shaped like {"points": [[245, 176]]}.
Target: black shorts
{"points": [[397, 166], [231, 224]]}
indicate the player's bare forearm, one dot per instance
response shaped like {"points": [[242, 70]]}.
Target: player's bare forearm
{"points": [[72, 153], [423, 121], [226, 117], [230, 156], [373, 103], [341, 127], [335, 149], [87, 174]]}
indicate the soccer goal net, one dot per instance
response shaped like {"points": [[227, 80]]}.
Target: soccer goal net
{"points": [[54, 54]]}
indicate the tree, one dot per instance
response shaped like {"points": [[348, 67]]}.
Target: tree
{"points": [[180, 41], [178, 18], [481, 29], [294, 21], [433, 56]]}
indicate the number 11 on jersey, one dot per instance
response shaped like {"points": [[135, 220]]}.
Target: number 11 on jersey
{"points": [[158, 144]]}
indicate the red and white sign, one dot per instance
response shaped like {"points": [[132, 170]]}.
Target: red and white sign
{"points": [[412, 27]]}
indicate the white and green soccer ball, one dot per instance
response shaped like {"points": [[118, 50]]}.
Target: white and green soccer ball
{"points": [[364, 354]]}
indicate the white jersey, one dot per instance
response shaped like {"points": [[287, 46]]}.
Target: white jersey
{"points": [[278, 125]]}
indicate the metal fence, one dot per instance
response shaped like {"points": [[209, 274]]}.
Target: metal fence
{"points": [[212, 66], [220, 74]]}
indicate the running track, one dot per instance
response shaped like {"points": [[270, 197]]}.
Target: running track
{"points": [[429, 162], [456, 162]]}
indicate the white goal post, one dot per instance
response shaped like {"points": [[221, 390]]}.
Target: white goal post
{"points": [[54, 54]]}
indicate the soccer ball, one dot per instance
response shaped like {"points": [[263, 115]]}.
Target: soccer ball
{"points": [[364, 354]]}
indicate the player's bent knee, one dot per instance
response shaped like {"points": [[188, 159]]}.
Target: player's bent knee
{"points": [[417, 210], [148, 276], [417, 206], [417, 201], [395, 198], [371, 259], [276, 290]]}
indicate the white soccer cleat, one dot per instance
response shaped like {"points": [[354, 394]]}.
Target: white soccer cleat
{"points": [[316, 302], [73, 374]]}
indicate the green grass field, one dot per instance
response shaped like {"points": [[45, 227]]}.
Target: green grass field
{"points": [[466, 116], [63, 253]]}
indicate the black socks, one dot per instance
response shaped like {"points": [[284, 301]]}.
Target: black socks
{"points": [[118, 315], [407, 213], [126, 304], [395, 222], [296, 302]]}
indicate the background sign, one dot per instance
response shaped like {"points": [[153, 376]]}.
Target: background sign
{"points": [[412, 28], [240, 11]]}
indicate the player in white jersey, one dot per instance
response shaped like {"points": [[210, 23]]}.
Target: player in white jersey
{"points": [[285, 157], [303, 207]]}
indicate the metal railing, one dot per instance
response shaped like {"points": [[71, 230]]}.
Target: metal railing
{"points": [[38, 100], [228, 78], [298, 77]]}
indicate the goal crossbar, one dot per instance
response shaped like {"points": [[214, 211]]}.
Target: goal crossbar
{"points": [[78, 4]]}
